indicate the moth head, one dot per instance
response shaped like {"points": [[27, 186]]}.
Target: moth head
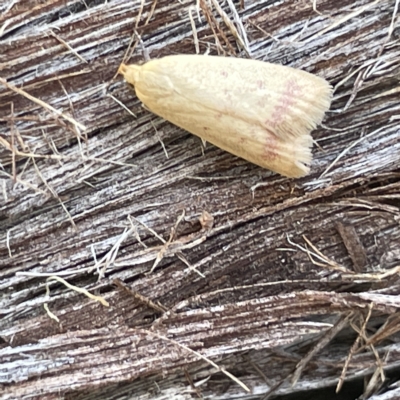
{"points": [[148, 80], [130, 72]]}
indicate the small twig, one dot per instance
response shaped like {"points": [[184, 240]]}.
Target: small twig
{"points": [[231, 28], [194, 31], [59, 273], [323, 257], [13, 146], [340, 21], [128, 52], [41, 103], [153, 7], [143, 299], [68, 47], [161, 253], [139, 14], [190, 380], [203, 297], [356, 87], [206, 359], [160, 140], [213, 23], [349, 76], [390, 30], [389, 328], [319, 255], [153, 232], [166, 244], [54, 193], [347, 149], [24, 183], [242, 30], [314, 7], [76, 289], [76, 130], [42, 82], [122, 105], [72, 287], [135, 232], [180, 255], [146, 55], [259, 371], [353, 349], [8, 243], [62, 157], [322, 342], [111, 255]]}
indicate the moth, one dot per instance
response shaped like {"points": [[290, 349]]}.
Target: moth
{"points": [[256, 110]]}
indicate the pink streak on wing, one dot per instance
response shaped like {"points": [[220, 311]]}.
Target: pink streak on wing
{"points": [[270, 147], [289, 97]]}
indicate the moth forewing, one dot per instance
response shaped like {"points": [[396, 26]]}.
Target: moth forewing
{"points": [[258, 111]]}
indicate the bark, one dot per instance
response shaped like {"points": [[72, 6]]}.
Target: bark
{"points": [[276, 281]]}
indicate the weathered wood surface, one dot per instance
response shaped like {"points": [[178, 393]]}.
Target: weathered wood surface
{"points": [[74, 204]]}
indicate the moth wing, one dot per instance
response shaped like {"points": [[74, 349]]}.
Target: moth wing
{"points": [[248, 141], [285, 101], [259, 111]]}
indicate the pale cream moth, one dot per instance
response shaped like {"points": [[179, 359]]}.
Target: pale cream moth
{"points": [[259, 111]]}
